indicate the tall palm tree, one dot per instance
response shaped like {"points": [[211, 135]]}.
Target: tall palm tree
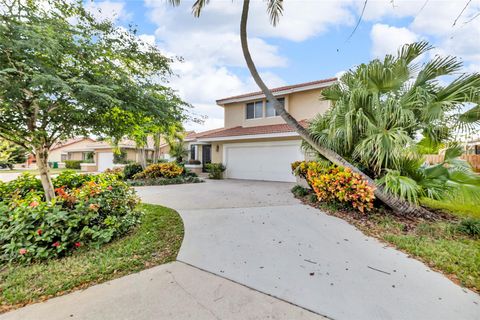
{"points": [[275, 10]]}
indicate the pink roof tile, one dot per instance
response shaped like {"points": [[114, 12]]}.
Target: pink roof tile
{"points": [[244, 131]]}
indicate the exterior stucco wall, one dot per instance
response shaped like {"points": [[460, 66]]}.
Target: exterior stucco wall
{"points": [[131, 155], [56, 154], [301, 105], [75, 156]]}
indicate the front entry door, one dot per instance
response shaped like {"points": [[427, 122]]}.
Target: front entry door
{"points": [[206, 155]]}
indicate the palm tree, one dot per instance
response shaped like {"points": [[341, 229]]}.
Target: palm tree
{"points": [[178, 149], [275, 10], [379, 111]]}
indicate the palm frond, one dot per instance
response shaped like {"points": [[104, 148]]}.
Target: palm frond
{"points": [[274, 10], [437, 67], [411, 51], [198, 6], [174, 3], [401, 186], [472, 115]]}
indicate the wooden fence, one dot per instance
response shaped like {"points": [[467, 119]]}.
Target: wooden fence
{"points": [[473, 159]]}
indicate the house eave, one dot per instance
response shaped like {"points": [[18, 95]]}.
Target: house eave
{"points": [[250, 137], [223, 102]]}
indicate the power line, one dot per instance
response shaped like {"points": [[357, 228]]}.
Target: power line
{"points": [[461, 12]]}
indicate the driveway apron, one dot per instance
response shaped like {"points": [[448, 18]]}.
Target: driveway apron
{"points": [[257, 234]]}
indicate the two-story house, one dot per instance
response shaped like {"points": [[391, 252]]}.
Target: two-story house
{"points": [[255, 143]]}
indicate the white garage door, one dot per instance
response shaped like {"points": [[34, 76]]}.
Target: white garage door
{"points": [[105, 161], [262, 160]]}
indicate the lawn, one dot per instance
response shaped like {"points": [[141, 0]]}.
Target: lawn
{"points": [[35, 171], [155, 241], [439, 244], [456, 207]]}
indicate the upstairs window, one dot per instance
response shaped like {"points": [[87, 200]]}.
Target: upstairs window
{"points": [[255, 110], [270, 110]]}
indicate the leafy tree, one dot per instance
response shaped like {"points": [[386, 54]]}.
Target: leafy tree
{"points": [[275, 10], [63, 73]]}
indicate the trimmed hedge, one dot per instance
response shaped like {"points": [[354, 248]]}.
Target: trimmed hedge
{"points": [[73, 164]]}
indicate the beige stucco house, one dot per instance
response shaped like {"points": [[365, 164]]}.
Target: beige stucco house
{"points": [[99, 155], [255, 143], [72, 149]]}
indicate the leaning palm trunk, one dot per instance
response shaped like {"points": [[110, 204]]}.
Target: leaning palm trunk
{"points": [[399, 205]]}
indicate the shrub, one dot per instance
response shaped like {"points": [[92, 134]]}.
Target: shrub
{"points": [[73, 164], [71, 179], [189, 173], [92, 214], [470, 226], [164, 181], [299, 191], [120, 157], [118, 172], [215, 170], [25, 184], [160, 170], [192, 161], [132, 169], [299, 169], [336, 183]]}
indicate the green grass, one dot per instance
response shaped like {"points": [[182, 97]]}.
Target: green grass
{"points": [[441, 245], [35, 171], [457, 207], [155, 241], [459, 257]]}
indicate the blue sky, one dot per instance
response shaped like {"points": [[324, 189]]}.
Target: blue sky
{"points": [[311, 42]]}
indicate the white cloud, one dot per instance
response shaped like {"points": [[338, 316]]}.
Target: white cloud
{"points": [[387, 39], [433, 20], [211, 49], [108, 10]]}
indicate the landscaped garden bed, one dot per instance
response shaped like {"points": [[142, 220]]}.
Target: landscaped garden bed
{"points": [[92, 231], [164, 173], [449, 243]]}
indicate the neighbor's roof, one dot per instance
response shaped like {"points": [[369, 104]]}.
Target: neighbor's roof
{"points": [[195, 135], [69, 142], [280, 90], [248, 131]]}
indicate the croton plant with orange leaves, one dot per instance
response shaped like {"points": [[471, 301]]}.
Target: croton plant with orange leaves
{"points": [[336, 183]]}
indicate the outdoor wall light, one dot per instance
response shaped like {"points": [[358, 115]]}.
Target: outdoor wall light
{"points": [[217, 148]]}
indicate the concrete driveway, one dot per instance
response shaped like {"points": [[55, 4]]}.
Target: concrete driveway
{"points": [[257, 234]]}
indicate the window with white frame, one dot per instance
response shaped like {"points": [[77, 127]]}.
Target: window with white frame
{"points": [[255, 110], [270, 110]]}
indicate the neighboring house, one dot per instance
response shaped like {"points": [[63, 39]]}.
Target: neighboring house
{"points": [[99, 155], [255, 143], [473, 147], [67, 150]]}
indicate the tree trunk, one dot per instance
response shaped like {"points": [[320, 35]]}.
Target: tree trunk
{"points": [[399, 205], [41, 154], [156, 141]]}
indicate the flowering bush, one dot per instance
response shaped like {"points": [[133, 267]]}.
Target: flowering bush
{"points": [[299, 168], [160, 170], [334, 183], [100, 209]]}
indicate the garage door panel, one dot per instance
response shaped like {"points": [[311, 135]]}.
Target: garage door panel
{"points": [[262, 161]]}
